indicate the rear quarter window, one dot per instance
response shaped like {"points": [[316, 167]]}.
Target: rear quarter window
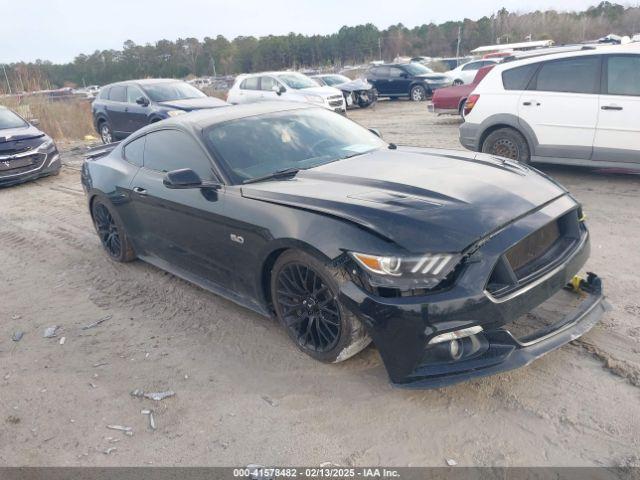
{"points": [[518, 78], [134, 151]]}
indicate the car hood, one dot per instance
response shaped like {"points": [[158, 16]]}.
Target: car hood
{"points": [[324, 91], [355, 85], [433, 77], [423, 200], [15, 140], [189, 104]]}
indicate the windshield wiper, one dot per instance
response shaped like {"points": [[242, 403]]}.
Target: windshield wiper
{"points": [[287, 172]]}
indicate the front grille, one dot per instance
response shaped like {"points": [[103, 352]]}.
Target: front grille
{"points": [[21, 163], [335, 101], [534, 255], [524, 254]]}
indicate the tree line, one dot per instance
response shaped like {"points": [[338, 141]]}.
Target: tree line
{"points": [[350, 45]]}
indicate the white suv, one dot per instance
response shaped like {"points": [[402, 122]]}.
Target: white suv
{"points": [[287, 86], [574, 108]]}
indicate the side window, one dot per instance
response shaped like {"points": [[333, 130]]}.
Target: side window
{"points": [[395, 72], [518, 78], [380, 71], [267, 83], [104, 93], [623, 75], [472, 66], [134, 151], [573, 75], [118, 93], [167, 150], [250, 83], [133, 93]]}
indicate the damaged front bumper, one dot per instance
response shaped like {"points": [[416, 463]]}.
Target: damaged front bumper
{"points": [[404, 328]]}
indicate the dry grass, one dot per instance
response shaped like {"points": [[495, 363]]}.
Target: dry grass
{"points": [[68, 119]]}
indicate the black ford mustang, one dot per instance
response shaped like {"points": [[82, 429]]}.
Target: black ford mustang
{"points": [[297, 212]]}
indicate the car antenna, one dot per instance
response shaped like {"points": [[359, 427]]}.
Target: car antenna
{"points": [[392, 146]]}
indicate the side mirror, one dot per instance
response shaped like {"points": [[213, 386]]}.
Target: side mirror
{"points": [[278, 89], [186, 178], [376, 132], [404, 75], [142, 101], [35, 122]]}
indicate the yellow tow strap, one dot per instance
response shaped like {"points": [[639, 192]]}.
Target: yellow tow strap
{"points": [[575, 283]]}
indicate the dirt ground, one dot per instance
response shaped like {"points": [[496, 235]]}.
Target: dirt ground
{"points": [[245, 395]]}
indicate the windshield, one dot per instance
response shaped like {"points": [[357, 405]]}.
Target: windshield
{"points": [[332, 80], [164, 92], [8, 119], [417, 69], [255, 146], [297, 81]]}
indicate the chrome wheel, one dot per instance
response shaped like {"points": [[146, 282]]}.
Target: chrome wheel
{"points": [[105, 133], [418, 94], [309, 309]]}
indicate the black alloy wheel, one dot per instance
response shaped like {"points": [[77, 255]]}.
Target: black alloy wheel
{"points": [[309, 308], [107, 230], [111, 233]]}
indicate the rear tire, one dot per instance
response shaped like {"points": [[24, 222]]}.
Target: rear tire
{"points": [[106, 134], [305, 291], [461, 108], [508, 143], [111, 232], [418, 93]]}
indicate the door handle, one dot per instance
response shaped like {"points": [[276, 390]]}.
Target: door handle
{"points": [[611, 107], [139, 190], [528, 104]]}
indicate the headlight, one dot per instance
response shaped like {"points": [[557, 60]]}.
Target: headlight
{"points": [[175, 113], [424, 271], [314, 99], [46, 146]]}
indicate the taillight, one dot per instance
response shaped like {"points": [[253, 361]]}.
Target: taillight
{"points": [[470, 103]]}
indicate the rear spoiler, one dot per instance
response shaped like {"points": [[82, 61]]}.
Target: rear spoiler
{"points": [[100, 151]]}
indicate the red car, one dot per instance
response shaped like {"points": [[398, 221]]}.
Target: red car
{"points": [[451, 100]]}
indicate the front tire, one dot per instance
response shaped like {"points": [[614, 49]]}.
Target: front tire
{"points": [[305, 296], [111, 232], [418, 93], [508, 143]]}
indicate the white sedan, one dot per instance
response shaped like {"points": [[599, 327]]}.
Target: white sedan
{"points": [[465, 73]]}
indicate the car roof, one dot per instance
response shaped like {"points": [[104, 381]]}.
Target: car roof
{"points": [[145, 81], [200, 119], [588, 51]]}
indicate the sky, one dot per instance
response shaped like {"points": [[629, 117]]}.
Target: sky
{"points": [[58, 30]]}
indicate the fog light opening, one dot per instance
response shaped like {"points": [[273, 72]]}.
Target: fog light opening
{"points": [[456, 335]]}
